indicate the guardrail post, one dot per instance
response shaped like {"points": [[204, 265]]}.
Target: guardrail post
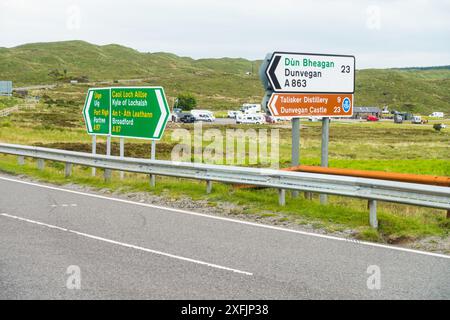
{"points": [[40, 164], [373, 214], [282, 197], [68, 170], [107, 175], [21, 160], [208, 186]]}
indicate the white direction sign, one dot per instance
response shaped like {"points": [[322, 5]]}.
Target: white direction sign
{"points": [[311, 73]]}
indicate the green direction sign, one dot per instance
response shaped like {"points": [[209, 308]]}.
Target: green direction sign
{"points": [[96, 111], [138, 112], [133, 112]]}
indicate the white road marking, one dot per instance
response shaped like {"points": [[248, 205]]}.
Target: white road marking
{"points": [[253, 224], [64, 205], [126, 245]]}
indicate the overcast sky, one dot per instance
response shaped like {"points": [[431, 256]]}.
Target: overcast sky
{"points": [[380, 33]]}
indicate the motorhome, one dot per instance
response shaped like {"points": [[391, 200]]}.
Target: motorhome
{"points": [[251, 108]]}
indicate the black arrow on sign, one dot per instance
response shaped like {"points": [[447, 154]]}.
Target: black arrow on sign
{"points": [[272, 75]]}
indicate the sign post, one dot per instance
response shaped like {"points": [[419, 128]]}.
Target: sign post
{"points": [[94, 151], [108, 172], [308, 85], [153, 157], [126, 112], [324, 156], [122, 154], [295, 147]]}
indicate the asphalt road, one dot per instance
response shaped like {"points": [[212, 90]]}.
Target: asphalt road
{"points": [[127, 250]]}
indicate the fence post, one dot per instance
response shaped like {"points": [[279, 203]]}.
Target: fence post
{"points": [[68, 170], [373, 214], [21, 160]]}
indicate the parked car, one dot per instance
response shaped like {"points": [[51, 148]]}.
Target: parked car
{"points": [[398, 118], [270, 119], [251, 119], [372, 118], [314, 119], [187, 118], [203, 117]]}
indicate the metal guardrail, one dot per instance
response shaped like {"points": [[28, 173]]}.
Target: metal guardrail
{"points": [[8, 111], [370, 189]]}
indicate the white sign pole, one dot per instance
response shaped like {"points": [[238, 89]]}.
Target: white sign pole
{"points": [[324, 157], [153, 157], [94, 152], [108, 153], [122, 154], [295, 147]]}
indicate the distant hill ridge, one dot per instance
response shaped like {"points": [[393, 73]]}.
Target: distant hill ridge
{"points": [[219, 83]]}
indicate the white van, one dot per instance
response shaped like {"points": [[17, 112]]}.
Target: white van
{"points": [[203, 115], [257, 118], [437, 115]]}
